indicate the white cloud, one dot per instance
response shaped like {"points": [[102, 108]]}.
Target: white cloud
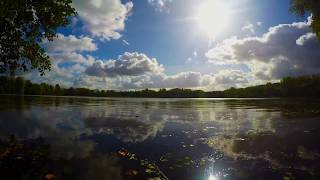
{"points": [[68, 58], [66, 49], [195, 53], [138, 71], [285, 50], [72, 67], [160, 5], [259, 23], [73, 57], [251, 28], [219, 81], [231, 78], [181, 80], [308, 38], [104, 19], [70, 44], [128, 64], [195, 80], [63, 76]]}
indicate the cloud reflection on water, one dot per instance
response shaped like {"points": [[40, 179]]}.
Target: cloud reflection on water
{"points": [[70, 124]]}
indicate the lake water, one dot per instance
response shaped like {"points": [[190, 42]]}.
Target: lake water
{"points": [[127, 138]]}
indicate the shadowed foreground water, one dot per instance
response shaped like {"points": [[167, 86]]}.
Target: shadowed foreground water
{"points": [[122, 138]]}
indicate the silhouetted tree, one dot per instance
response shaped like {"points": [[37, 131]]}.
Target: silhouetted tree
{"points": [[302, 7], [24, 24]]}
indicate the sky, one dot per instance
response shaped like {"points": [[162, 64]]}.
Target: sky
{"points": [[198, 44]]}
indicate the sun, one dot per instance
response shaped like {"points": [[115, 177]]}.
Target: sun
{"points": [[213, 17]]}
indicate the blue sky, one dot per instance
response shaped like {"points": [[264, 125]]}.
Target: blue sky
{"points": [[160, 34], [158, 43], [163, 36]]}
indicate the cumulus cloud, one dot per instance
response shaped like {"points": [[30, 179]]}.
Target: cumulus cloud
{"points": [[72, 57], [307, 39], [285, 50], [195, 80], [128, 64], [180, 80], [64, 76], [160, 5], [132, 70], [184, 79], [104, 19], [225, 79], [251, 28], [70, 43], [231, 78], [248, 27], [70, 49], [68, 57]]}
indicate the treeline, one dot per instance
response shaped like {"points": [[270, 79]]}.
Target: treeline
{"points": [[304, 86]]}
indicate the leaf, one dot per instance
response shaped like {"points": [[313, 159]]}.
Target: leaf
{"points": [[131, 172]]}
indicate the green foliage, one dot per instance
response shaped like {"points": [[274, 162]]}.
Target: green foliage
{"points": [[24, 24], [303, 7], [304, 86]]}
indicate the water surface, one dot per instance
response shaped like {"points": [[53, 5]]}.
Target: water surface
{"points": [[128, 138]]}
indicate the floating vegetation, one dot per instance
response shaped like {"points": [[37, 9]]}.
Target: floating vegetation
{"points": [[32, 160], [27, 160], [144, 168]]}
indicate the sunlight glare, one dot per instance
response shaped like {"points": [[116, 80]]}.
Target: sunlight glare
{"points": [[212, 177], [213, 17]]}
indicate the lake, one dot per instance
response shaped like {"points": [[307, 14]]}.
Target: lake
{"points": [[128, 138]]}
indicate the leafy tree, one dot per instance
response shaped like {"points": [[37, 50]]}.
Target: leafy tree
{"points": [[24, 25], [303, 7]]}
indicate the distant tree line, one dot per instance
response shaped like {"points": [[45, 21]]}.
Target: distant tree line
{"points": [[304, 86]]}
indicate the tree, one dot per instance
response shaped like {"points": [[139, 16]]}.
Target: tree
{"points": [[24, 25], [57, 90], [303, 7], [19, 88]]}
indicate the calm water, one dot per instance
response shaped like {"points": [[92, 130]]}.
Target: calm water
{"points": [[122, 138]]}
